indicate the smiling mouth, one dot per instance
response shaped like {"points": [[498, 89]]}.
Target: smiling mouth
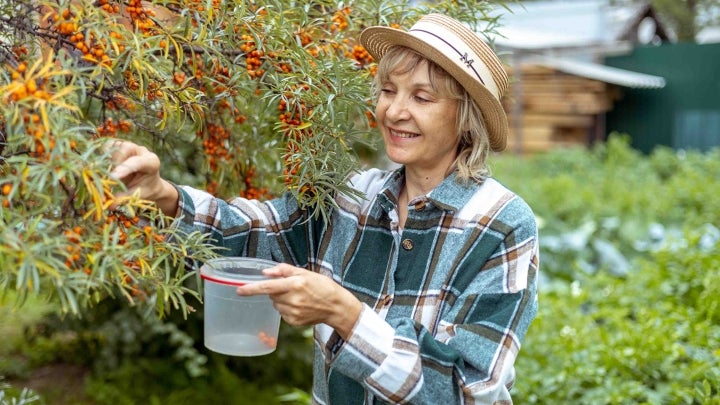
{"points": [[403, 134]]}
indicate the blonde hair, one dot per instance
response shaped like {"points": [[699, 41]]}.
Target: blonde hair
{"points": [[474, 146]]}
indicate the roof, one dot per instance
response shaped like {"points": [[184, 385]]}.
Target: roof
{"points": [[606, 74], [571, 35], [541, 25]]}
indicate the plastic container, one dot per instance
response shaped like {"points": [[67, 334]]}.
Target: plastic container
{"points": [[238, 325]]}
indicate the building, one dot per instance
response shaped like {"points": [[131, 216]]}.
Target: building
{"points": [[561, 89]]}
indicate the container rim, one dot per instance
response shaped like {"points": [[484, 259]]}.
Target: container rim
{"points": [[211, 270]]}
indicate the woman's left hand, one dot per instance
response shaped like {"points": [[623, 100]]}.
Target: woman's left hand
{"points": [[304, 297]]}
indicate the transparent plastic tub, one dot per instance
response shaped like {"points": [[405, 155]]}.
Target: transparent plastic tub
{"points": [[238, 325]]}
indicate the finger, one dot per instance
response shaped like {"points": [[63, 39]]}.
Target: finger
{"points": [[284, 270], [119, 150], [111, 145], [127, 167], [269, 287], [138, 160]]}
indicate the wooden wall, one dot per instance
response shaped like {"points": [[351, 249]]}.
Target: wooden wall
{"points": [[554, 109]]}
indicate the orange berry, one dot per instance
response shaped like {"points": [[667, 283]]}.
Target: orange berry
{"points": [[31, 86]]}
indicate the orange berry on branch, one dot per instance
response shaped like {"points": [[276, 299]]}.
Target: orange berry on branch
{"points": [[31, 86]]}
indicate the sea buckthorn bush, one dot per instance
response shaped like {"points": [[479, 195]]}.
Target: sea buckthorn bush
{"points": [[238, 98]]}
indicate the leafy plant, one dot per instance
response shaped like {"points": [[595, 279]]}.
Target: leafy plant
{"points": [[235, 97], [650, 337], [25, 396], [628, 311]]}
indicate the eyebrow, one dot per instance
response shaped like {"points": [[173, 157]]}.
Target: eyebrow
{"points": [[425, 85]]}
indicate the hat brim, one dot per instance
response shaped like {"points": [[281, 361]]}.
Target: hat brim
{"points": [[378, 40]]}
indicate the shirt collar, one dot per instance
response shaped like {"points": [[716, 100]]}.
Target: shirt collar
{"points": [[450, 195]]}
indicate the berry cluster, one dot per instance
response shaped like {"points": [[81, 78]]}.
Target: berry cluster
{"points": [[253, 56], [6, 191], [110, 128], [250, 191], [74, 258], [141, 17], [107, 7], [267, 340], [43, 140], [294, 122], [339, 19], [66, 23], [25, 84], [119, 102], [215, 143]]}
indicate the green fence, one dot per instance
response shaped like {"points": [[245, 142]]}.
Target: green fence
{"points": [[685, 114]]}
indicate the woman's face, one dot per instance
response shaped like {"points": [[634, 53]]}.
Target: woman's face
{"points": [[417, 124]]}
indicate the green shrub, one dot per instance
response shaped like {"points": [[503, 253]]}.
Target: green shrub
{"points": [[629, 302], [652, 337], [12, 396]]}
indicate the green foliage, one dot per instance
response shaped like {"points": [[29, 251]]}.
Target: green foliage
{"points": [[10, 396], [686, 18], [136, 357], [652, 337], [600, 208], [157, 382], [628, 302]]}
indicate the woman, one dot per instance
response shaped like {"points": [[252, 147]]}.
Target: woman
{"points": [[423, 291]]}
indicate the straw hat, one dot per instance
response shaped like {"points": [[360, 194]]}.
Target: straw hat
{"points": [[460, 52]]}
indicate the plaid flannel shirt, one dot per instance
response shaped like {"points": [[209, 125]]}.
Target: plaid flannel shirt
{"points": [[447, 300]]}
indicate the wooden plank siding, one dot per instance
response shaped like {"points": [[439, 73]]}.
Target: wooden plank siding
{"points": [[556, 109]]}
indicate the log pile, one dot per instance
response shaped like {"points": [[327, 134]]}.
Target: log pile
{"points": [[556, 109]]}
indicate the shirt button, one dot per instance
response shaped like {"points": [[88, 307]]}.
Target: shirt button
{"points": [[420, 205], [407, 244]]}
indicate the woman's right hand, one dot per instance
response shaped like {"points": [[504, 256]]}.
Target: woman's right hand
{"points": [[139, 169]]}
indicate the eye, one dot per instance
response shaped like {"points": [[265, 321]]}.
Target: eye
{"points": [[421, 99], [387, 90]]}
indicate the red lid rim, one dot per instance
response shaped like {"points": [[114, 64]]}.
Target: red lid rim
{"points": [[222, 280]]}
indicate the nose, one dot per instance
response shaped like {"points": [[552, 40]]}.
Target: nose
{"points": [[397, 109]]}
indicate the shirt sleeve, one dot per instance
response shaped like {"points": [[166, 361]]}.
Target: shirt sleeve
{"points": [[470, 356], [275, 229]]}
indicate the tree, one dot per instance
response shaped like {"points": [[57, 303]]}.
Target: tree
{"points": [[688, 17], [236, 97]]}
